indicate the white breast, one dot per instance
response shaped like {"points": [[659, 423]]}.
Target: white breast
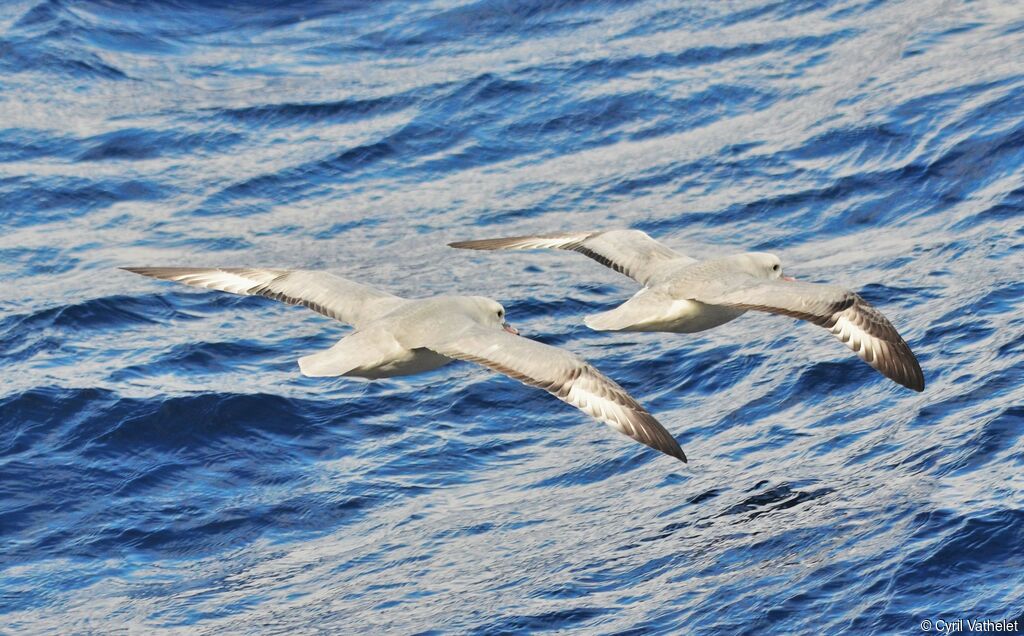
{"points": [[689, 316]]}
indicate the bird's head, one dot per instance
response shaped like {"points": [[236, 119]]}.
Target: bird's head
{"points": [[763, 265], [490, 313]]}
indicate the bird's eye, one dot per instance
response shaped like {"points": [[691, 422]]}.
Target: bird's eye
{"points": [[775, 267], [501, 313]]}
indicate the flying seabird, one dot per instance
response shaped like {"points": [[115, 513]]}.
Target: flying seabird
{"points": [[683, 295], [396, 336]]}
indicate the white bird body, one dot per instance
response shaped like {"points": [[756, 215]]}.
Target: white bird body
{"points": [[651, 309], [395, 343]]}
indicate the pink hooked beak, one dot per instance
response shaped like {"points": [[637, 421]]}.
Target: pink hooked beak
{"points": [[789, 279], [509, 328]]}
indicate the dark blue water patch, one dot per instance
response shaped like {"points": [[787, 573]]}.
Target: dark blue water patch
{"points": [[668, 19], [715, 370], [781, 497], [703, 108], [553, 620], [192, 241], [22, 144], [846, 204], [490, 87], [882, 295], [524, 309], [499, 215], [192, 304], [44, 13], [96, 313], [33, 414], [504, 402], [877, 142], [692, 175], [593, 114], [1009, 208], [215, 444], [816, 378], [317, 113], [440, 464], [1015, 345], [22, 336], [430, 133], [197, 358], [990, 442], [777, 11], [192, 421], [140, 143], [37, 261], [992, 386], [856, 9], [135, 42], [184, 19], [300, 181], [960, 335], [484, 21], [999, 300], [969, 549], [576, 125], [613, 68], [977, 161], [57, 22], [769, 440], [340, 229], [919, 114], [629, 458], [104, 423], [484, 101], [25, 55], [1013, 27], [922, 43], [32, 201], [730, 608]]}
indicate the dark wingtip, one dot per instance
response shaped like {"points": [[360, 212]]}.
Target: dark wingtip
{"points": [[920, 378], [141, 271], [473, 245], [916, 380], [672, 448], [914, 383]]}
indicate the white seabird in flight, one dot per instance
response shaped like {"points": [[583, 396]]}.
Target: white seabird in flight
{"points": [[397, 336], [683, 295]]}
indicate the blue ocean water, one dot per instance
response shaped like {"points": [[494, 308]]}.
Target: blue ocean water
{"points": [[163, 465]]}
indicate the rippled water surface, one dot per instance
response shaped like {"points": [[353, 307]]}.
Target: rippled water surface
{"points": [[164, 465]]}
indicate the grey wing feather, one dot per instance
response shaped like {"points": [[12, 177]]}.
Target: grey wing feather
{"points": [[332, 296], [850, 318], [629, 252], [564, 375]]}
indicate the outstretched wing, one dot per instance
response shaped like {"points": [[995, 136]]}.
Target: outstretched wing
{"points": [[846, 315], [332, 296], [564, 375], [630, 252]]}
